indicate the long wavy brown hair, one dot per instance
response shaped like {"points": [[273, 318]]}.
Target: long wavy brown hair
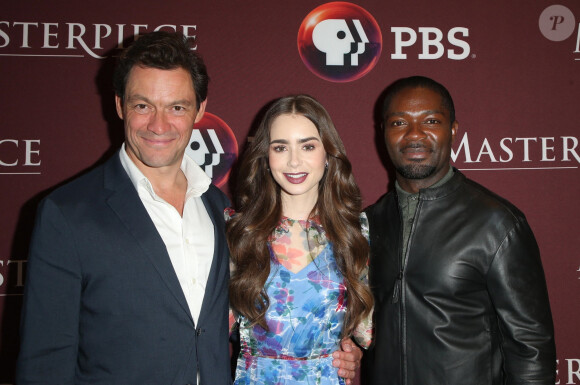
{"points": [[259, 210]]}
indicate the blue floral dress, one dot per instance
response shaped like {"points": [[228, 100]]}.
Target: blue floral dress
{"points": [[305, 319]]}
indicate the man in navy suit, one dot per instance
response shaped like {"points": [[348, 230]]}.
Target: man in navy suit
{"points": [[128, 269]]}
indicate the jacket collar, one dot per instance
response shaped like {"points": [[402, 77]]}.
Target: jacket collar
{"points": [[447, 188]]}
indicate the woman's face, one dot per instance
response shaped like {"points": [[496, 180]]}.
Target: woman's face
{"points": [[296, 156]]}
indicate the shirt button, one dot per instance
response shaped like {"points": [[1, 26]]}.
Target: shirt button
{"points": [[193, 281]]}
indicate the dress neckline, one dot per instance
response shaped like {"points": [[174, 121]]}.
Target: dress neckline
{"points": [[311, 225]]}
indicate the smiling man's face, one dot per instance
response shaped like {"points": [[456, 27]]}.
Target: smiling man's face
{"points": [[159, 111], [418, 135]]}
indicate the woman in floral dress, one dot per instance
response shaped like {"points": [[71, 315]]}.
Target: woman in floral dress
{"points": [[299, 251]]}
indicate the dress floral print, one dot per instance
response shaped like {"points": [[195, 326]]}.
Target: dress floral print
{"points": [[305, 315]]}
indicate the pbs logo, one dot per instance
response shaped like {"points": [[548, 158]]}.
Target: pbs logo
{"points": [[339, 42], [213, 146]]}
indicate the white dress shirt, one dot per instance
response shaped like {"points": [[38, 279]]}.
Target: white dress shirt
{"points": [[189, 239]]}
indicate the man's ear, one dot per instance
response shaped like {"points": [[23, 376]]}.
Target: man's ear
{"points": [[200, 111], [119, 105], [454, 130]]}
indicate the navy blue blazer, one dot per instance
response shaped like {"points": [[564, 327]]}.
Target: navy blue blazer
{"points": [[102, 302]]}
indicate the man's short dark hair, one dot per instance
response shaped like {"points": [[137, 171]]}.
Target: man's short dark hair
{"points": [[166, 51], [419, 82]]}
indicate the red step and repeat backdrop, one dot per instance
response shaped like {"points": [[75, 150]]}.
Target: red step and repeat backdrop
{"points": [[513, 69]]}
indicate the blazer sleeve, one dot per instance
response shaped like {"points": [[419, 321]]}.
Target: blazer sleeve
{"points": [[518, 290], [50, 315]]}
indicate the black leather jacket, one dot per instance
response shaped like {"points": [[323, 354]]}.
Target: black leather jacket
{"points": [[470, 305]]}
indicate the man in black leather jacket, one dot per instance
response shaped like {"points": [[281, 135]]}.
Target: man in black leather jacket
{"points": [[460, 291]]}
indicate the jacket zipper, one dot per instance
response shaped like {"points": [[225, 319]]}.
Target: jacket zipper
{"points": [[401, 293]]}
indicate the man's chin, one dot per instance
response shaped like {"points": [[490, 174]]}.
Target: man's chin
{"points": [[416, 171]]}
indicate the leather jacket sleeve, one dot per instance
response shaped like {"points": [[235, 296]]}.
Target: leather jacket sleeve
{"points": [[521, 301]]}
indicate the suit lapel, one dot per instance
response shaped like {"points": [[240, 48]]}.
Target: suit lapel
{"points": [[127, 205], [214, 282]]}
